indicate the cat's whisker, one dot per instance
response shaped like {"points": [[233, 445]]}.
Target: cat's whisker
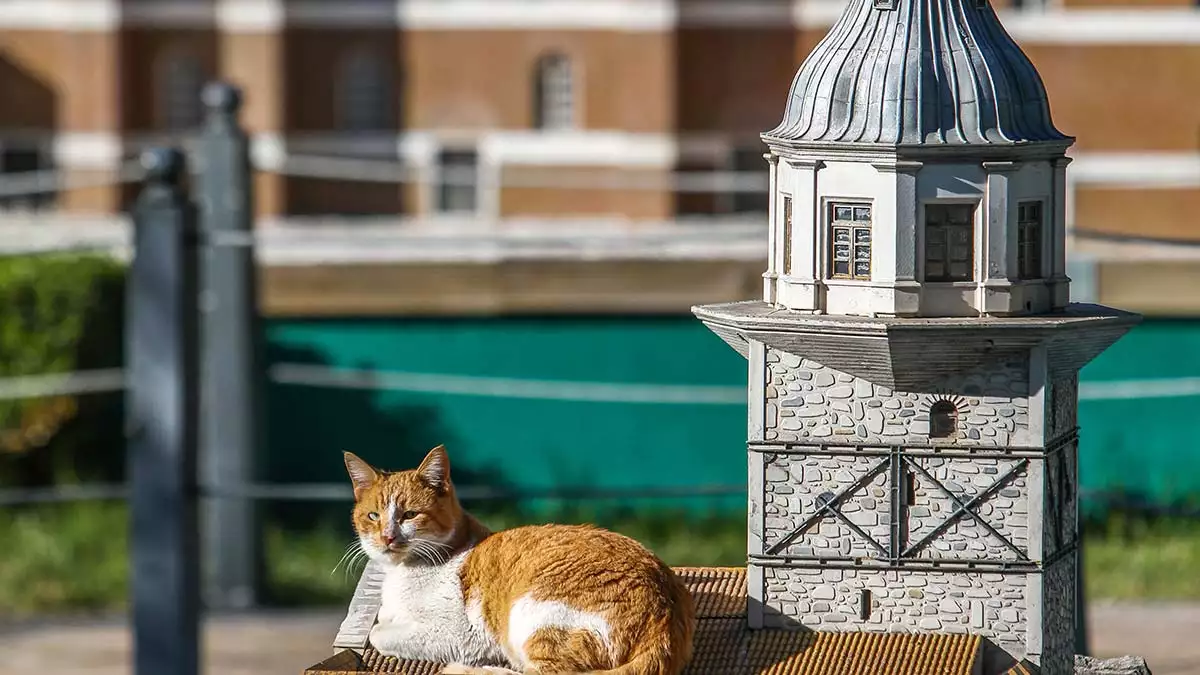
{"points": [[357, 562], [347, 555], [424, 548], [442, 551], [419, 549]]}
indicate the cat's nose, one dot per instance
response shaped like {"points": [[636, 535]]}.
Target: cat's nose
{"points": [[388, 538]]}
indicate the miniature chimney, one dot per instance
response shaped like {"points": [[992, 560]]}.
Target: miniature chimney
{"points": [[916, 171], [914, 361]]}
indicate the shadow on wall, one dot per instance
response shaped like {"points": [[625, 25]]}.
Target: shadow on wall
{"points": [[310, 427], [29, 102], [28, 116]]}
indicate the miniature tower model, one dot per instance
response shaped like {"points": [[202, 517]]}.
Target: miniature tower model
{"points": [[914, 360]]}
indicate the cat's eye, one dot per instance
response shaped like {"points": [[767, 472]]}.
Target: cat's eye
{"points": [[373, 516], [409, 515]]}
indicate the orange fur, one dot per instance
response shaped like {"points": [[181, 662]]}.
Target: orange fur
{"points": [[649, 614]]}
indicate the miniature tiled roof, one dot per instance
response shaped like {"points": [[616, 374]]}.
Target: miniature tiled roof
{"points": [[917, 73], [724, 645]]}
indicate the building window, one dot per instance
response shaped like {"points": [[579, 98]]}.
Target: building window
{"points": [[25, 160], [751, 187], [850, 241], [787, 234], [365, 96], [554, 93], [458, 181], [949, 242], [177, 90], [1029, 240], [943, 420]]}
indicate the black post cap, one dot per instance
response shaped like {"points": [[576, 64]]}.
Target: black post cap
{"points": [[163, 165], [222, 97]]}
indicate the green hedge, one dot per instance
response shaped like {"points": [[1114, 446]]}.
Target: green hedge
{"points": [[60, 313]]}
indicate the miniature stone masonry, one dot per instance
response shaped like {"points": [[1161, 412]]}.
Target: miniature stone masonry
{"points": [[915, 357]]}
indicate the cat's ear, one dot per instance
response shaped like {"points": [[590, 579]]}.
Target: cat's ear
{"points": [[362, 475], [435, 469]]}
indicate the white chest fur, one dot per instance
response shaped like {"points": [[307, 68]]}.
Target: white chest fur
{"points": [[422, 616]]}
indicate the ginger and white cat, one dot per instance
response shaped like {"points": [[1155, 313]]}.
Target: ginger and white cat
{"points": [[532, 600]]}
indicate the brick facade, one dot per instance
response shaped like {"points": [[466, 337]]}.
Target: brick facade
{"points": [[90, 94]]}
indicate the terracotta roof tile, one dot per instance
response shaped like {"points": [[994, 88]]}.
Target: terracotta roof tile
{"points": [[724, 644], [717, 591]]}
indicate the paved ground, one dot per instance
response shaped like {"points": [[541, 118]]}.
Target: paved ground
{"points": [[1168, 636]]}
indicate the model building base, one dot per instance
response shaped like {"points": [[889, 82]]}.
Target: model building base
{"points": [[725, 645]]}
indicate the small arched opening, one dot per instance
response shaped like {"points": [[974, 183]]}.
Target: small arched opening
{"points": [[943, 420]]}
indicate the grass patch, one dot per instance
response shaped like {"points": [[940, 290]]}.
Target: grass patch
{"points": [[1139, 559], [71, 556], [74, 558]]}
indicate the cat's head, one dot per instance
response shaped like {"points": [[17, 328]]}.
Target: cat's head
{"points": [[405, 516]]}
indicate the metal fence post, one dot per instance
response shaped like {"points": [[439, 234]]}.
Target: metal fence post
{"points": [[163, 421], [230, 353]]}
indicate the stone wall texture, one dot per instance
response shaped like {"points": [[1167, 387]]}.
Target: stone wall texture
{"points": [[990, 605], [806, 401], [1061, 500], [840, 432], [1058, 618], [1064, 403], [795, 484]]}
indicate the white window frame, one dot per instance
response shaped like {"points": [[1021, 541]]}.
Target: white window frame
{"points": [[436, 193], [177, 102], [556, 92], [1039, 241], [831, 223]]}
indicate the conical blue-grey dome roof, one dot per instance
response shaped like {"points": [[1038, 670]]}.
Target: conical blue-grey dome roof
{"points": [[922, 73]]}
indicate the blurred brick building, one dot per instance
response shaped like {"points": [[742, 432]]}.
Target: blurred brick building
{"points": [[541, 101]]}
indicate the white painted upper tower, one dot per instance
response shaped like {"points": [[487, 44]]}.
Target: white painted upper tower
{"points": [[917, 172]]}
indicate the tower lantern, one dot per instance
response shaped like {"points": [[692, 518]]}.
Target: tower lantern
{"points": [[917, 171]]}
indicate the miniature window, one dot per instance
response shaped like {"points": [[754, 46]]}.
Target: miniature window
{"points": [[365, 99], [1029, 240], [178, 85], [943, 420], [17, 158], [458, 181], [850, 241], [787, 234], [554, 93], [949, 242], [864, 605]]}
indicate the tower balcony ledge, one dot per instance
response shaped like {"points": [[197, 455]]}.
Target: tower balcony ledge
{"points": [[910, 354]]}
